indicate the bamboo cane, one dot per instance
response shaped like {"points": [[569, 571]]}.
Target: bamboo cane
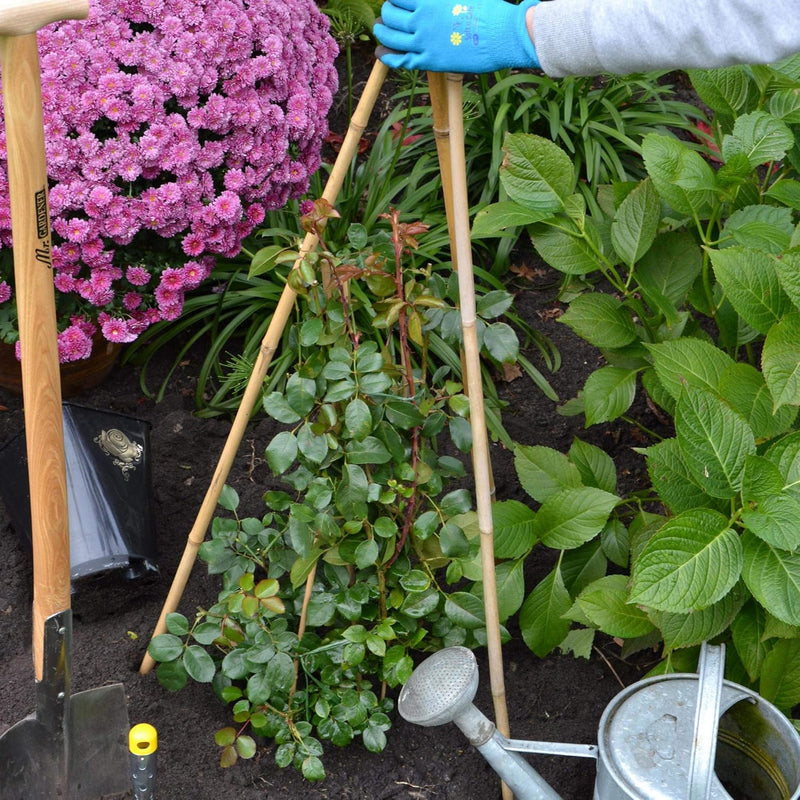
{"points": [[437, 88], [481, 463], [268, 348]]}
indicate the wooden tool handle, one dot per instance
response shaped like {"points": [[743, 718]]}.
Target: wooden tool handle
{"points": [[20, 17], [33, 277]]}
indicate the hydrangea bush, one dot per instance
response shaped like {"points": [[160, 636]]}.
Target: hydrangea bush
{"points": [[171, 126]]}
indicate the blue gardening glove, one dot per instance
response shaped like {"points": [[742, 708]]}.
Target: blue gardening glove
{"points": [[449, 36]]}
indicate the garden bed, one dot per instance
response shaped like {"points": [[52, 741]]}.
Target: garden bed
{"points": [[559, 698]]}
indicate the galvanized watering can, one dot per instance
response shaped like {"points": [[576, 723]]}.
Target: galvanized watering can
{"points": [[671, 737]]}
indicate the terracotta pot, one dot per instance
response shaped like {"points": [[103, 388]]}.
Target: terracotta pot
{"points": [[76, 376]]}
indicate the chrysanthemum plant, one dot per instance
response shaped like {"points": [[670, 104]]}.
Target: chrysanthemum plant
{"points": [[171, 127]]}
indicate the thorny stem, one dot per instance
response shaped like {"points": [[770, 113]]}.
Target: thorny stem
{"points": [[398, 244], [402, 235], [352, 332]]}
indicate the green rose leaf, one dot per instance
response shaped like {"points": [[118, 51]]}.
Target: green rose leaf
{"points": [[280, 673], [494, 304], [352, 492], [404, 414], [281, 452], [301, 394], [465, 610], [165, 647], [177, 624], [461, 433], [172, 675], [357, 419], [369, 450], [312, 769], [374, 739], [276, 405], [199, 664], [501, 342]]}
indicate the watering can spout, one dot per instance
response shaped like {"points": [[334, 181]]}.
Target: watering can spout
{"points": [[441, 689]]}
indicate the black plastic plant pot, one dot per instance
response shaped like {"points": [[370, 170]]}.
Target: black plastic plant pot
{"points": [[108, 491]]}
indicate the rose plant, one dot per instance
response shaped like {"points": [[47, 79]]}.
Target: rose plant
{"points": [[171, 127]]}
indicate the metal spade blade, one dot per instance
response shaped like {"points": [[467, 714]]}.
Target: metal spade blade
{"points": [[74, 746]]}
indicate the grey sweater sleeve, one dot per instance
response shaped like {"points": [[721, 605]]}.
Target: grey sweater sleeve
{"points": [[586, 37]]}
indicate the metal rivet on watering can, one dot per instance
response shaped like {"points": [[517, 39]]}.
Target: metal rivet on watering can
{"points": [[143, 743], [671, 737]]}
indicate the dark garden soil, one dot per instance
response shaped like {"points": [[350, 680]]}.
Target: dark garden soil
{"points": [[557, 699]]}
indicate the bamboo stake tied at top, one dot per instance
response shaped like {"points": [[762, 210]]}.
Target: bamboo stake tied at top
{"points": [[481, 460], [268, 348]]}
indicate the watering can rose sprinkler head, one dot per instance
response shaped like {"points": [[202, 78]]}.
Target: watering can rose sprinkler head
{"points": [[441, 689]]}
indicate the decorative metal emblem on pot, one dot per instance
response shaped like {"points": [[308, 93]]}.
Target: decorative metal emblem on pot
{"points": [[126, 453]]}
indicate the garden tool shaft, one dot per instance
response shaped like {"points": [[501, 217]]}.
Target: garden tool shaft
{"points": [[69, 748]]}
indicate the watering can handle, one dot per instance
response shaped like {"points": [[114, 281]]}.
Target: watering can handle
{"points": [[711, 670]]}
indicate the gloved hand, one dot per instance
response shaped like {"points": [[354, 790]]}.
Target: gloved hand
{"points": [[450, 36]]}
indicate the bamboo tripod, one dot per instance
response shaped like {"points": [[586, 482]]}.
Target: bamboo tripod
{"points": [[447, 104]]}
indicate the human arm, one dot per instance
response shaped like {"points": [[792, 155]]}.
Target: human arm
{"points": [[587, 37]]}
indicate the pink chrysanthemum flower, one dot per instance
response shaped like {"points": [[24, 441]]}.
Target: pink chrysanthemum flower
{"points": [[74, 344], [116, 330], [137, 276]]}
